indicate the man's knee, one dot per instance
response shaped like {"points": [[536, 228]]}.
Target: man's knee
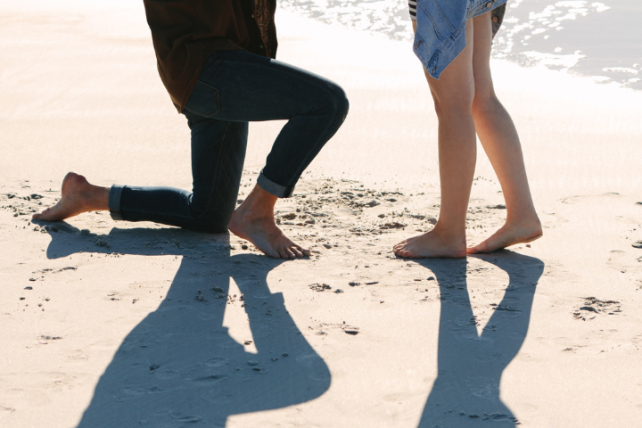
{"points": [[338, 100], [343, 105]]}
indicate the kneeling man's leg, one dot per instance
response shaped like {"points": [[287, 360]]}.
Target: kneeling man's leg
{"points": [[234, 88], [240, 86], [218, 152], [247, 87]]}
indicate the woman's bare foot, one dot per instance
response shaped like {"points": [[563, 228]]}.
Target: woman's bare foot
{"points": [[432, 244], [510, 234], [254, 221], [78, 196]]}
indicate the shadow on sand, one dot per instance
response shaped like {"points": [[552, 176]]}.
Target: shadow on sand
{"points": [[179, 366], [466, 392]]}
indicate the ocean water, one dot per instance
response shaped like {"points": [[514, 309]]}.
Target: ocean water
{"points": [[602, 40], [599, 39]]}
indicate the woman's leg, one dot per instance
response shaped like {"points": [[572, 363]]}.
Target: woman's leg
{"points": [[499, 138], [453, 96]]}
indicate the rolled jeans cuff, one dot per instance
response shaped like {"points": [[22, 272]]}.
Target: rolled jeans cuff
{"points": [[273, 188], [115, 194]]}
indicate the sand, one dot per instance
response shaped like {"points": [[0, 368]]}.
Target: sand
{"points": [[110, 324]]}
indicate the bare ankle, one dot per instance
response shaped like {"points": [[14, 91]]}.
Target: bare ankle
{"points": [[450, 235], [78, 196], [527, 220], [258, 206]]}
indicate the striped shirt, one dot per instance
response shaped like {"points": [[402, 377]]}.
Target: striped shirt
{"points": [[412, 5]]}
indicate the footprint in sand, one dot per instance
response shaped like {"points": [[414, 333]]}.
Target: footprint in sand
{"points": [[626, 262], [588, 198], [593, 307]]}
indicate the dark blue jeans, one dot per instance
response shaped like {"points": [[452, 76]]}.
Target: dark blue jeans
{"points": [[234, 88]]}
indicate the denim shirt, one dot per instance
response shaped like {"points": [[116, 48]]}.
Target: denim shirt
{"points": [[441, 30]]}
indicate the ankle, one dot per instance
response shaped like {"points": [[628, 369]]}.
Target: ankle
{"points": [[450, 235], [526, 218], [98, 198], [253, 215], [259, 205]]}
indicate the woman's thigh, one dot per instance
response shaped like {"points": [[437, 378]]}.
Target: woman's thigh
{"points": [[483, 40], [456, 86]]}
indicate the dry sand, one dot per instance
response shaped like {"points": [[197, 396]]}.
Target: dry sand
{"points": [[108, 324]]}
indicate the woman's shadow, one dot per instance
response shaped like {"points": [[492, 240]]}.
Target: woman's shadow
{"points": [[179, 366], [466, 392]]}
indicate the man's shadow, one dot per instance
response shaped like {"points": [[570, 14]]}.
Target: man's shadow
{"points": [[466, 392], [179, 366]]}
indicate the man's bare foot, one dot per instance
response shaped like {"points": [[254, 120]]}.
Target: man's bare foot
{"points": [[510, 234], [431, 245], [254, 221], [78, 196]]}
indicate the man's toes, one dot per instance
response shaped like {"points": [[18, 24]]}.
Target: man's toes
{"points": [[272, 253], [295, 251], [304, 252], [283, 252]]}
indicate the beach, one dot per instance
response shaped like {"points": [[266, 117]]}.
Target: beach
{"points": [[109, 323]]}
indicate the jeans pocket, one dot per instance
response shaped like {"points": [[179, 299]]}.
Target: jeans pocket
{"points": [[204, 100]]}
